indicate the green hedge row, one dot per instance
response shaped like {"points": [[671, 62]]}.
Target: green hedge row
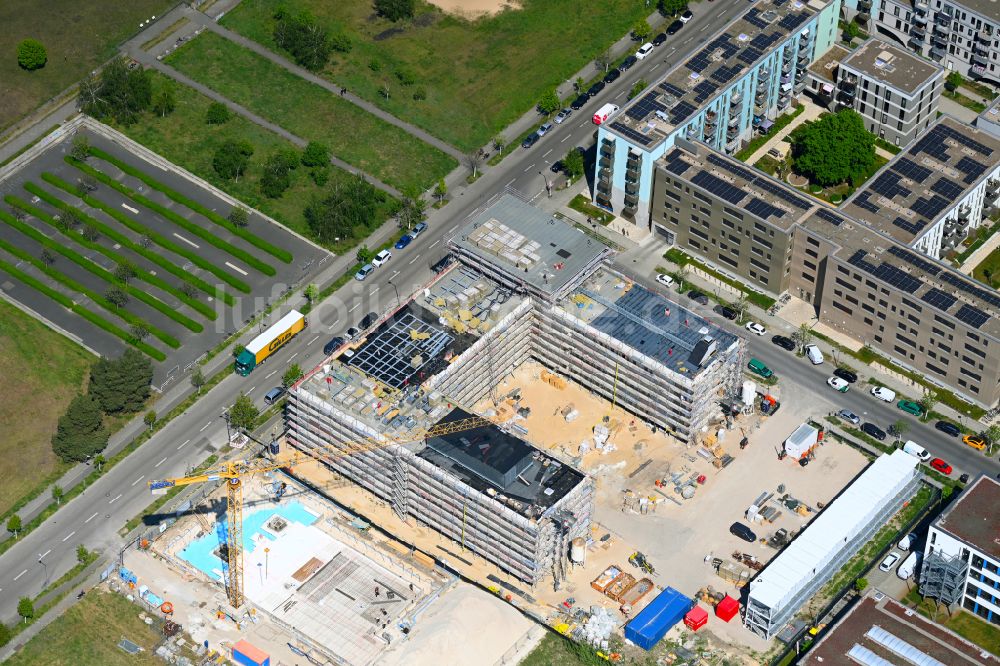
{"points": [[124, 241], [180, 221], [70, 283], [258, 242], [160, 240], [156, 281], [94, 319], [102, 273]]}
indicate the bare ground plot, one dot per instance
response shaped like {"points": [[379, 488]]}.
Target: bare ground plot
{"points": [[478, 76], [78, 35], [196, 279]]}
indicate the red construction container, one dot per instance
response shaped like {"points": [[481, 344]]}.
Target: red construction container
{"points": [[696, 618], [727, 609]]}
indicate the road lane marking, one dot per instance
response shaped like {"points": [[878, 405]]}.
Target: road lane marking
{"points": [[205, 426], [543, 155], [293, 356], [529, 168], [268, 375], [158, 464], [90, 519], [313, 340], [134, 211], [563, 140], [513, 179], [237, 269], [251, 390], [394, 275], [583, 124], [138, 480], [183, 445], [117, 497], [68, 536], [20, 574], [45, 553], [192, 244], [414, 258], [356, 305], [434, 243], [375, 289]]}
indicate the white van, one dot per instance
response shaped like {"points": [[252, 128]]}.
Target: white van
{"points": [[909, 565], [916, 450], [814, 354]]}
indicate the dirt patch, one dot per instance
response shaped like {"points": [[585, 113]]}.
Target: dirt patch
{"points": [[474, 9]]}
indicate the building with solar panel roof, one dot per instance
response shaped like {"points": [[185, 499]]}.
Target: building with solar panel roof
{"points": [[738, 82]]}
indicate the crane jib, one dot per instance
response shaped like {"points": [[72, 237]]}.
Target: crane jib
{"points": [[156, 485]]}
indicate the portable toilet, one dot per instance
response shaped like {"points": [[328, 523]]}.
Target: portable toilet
{"points": [[696, 618]]}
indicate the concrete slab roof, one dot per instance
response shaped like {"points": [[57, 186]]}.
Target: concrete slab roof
{"points": [[974, 518], [893, 66]]}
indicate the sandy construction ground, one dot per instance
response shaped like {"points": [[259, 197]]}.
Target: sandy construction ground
{"points": [[473, 9]]}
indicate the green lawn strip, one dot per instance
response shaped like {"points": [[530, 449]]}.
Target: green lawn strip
{"points": [[179, 220], [100, 272], [142, 229], [70, 283], [582, 204], [361, 139], [94, 319], [983, 234], [154, 280], [255, 240], [681, 258], [780, 123]]}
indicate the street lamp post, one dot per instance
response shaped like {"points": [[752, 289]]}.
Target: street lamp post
{"points": [[398, 303], [45, 569], [548, 184], [226, 418]]}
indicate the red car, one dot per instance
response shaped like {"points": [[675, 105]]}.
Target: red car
{"points": [[941, 466]]}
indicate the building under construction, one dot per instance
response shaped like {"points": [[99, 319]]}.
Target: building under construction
{"points": [[526, 287]]}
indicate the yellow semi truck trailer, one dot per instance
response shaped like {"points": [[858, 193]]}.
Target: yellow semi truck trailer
{"points": [[269, 342]]}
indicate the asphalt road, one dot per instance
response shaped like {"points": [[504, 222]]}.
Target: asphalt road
{"points": [[94, 518]]}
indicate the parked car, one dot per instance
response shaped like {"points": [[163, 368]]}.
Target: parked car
{"points": [[364, 272], [579, 102], [755, 328], [562, 115], [530, 140], [742, 531], [849, 416], [873, 431], [907, 542], [274, 395], [595, 89], [889, 562], [964, 478], [686, 16], [352, 333], [544, 129], [333, 345], [382, 258], [977, 442], [659, 39], [403, 241], [838, 384], [785, 343], [674, 27], [728, 312], [884, 394], [665, 279], [418, 228], [556, 167], [948, 428], [910, 407], [758, 367], [814, 354], [845, 374], [368, 320], [698, 297], [941, 466], [627, 63], [644, 51], [612, 76], [915, 450], [909, 565]]}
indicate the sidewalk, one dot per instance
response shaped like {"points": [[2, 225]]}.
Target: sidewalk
{"points": [[811, 112]]}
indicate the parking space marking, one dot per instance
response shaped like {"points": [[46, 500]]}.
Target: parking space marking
{"points": [[313, 340], [237, 269], [138, 480], [134, 211], [20, 574], [161, 462], [69, 536], [90, 519], [192, 244]]}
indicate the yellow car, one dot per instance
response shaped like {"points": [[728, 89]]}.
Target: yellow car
{"points": [[977, 442]]}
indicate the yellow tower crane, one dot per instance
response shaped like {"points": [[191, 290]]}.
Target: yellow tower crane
{"points": [[234, 472]]}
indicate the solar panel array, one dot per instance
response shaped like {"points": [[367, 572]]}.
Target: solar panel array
{"points": [[645, 107], [671, 89], [909, 226], [933, 143], [940, 299], [947, 188], [759, 181], [750, 55], [886, 272], [675, 164], [887, 185], [704, 90], [763, 41], [630, 133], [972, 316], [971, 289], [930, 207], [915, 259], [791, 21], [762, 209], [726, 73], [718, 187], [753, 18], [682, 112], [912, 170], [971, 168], [829, 216], [862, 201]]}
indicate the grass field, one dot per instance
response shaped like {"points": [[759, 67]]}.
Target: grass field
{"points": [[557, 651], [963, 623], [78, 35], [988, 270], [41, 368], [184, 138], [306, 110], [88, 633], [478, 76]]}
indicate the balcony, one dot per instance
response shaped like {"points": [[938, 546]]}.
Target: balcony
{"points": [[942, 19], [920, 18], [786, 79], [984, 37], [732, 133], [693, 132], [963, 213], [940, 31], [632, 188], [918, 32], [734, 122], [759, 109], [608, 149], [920, 5], [937, 53], [939, 42], [632, 173], [804, 45], [977, 70], [604, 176], [980, 49], [605, 162], [845, 98], [763, 74], [864, 5], [979, 59], [916, 44], [736, 99], [731, 146]]}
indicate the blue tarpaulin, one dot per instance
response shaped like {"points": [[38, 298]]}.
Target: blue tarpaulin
{"points": [[648, 627]]}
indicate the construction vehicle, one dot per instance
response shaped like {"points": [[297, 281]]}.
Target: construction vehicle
{"points": [[235, 472], [639, 560]]}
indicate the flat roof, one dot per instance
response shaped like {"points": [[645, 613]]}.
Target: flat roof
{"points": [[825, 67], [881, 626], [649, 323], [925, 180], [891, 65], [529, 244], [690, 86], [267, 336], [974, 517]]}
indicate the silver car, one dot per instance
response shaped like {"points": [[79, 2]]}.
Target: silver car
{"points": [[849, 416], [562, 115]]}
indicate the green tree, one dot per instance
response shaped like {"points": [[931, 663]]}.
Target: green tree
{"points": [[834, 149], [474, 160], [231, 159], [413, 209], [549, 103], [499, 143], [309, 42], [197, 379], [90, 232], [953, 81], [851, 31], [80, 432], [80, 148], [927, 402], [740, 306], [992, 435], [165, 99], [14, 524], [188, 289], [57, 494], [672, 7], [641, 30], [899, 428], [47, 256], [99, 461], [603, 60], [125, 270], [239, 216], [117, 93], [149, 419], [31, 54], [395, 10], [316, 154], [291, 375], [365, 255], [637, 88], [311, 292], [138, 331], [861, 584], [350, 203], [116, 297], [320, 175], [122, 385], [25, 609], [277, 174], [82, 554], [237, 350], [217, 114], [243, 414], [573, 164], [803, 335], [441, 191]]}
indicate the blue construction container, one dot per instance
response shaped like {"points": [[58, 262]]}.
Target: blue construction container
{"points": [[648, 627]]}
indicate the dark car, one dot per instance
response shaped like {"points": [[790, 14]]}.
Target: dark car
{"points": [[659, 39], [579, 102], [556, 167], [530, 140], [403, 241], [442, 263], [728, 312], [628, 62], [698, 297], [742, 531], [674, 27], [948, 428], [845, 374], [612, 76], [873, 431], [785, 343], [333, 345], [368, 321], [596, 88]]}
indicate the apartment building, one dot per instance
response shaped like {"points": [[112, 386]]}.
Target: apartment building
{"points": [[962, 555], [895, 91], [961, 36], [736, 84]]}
